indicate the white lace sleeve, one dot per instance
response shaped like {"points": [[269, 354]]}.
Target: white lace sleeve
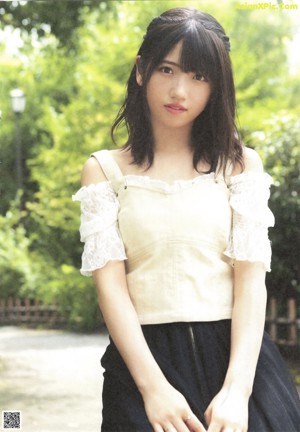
{"points": [[99, 227], [251, 217]]}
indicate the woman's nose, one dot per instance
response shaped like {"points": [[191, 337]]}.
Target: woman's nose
{"points": [[179, 88]]}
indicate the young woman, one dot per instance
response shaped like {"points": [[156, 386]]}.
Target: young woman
{"points": [[184, 300]]}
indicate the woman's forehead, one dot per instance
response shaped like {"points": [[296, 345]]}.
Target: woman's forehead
{"points": [[174, 55]]}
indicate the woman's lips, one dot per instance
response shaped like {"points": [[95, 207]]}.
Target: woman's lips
{"points": [[175, 108]]}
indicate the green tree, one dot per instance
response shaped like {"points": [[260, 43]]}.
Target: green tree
{"points": [[279, 146], [41, 17]]}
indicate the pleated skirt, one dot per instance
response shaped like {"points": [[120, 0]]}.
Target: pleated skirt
{"points": [[194, 358]]}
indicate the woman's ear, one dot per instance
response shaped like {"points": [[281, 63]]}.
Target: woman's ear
{"points": [[139, 78]]}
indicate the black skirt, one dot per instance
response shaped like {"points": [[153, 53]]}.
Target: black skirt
{"points": [[194, 358]]}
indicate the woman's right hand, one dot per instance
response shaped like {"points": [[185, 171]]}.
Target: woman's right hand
{"points": [[168, 411]]}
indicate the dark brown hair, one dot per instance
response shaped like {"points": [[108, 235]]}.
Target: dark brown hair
{"points": [[205, 50]]}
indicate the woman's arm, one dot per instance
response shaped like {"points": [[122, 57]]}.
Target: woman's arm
{"points": [[165, 406], [229, 409], [248, 321]]}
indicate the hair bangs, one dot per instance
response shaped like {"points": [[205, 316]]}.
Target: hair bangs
{"points": [[164, 42], [198, 53]]}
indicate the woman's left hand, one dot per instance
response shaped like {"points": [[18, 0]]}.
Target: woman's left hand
{"points": [[228, 411]]}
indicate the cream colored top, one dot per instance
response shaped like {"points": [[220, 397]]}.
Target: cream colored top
{"points": [[179, 241]]}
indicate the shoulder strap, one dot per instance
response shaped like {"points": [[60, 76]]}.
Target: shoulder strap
{"points": [[110, 168]]}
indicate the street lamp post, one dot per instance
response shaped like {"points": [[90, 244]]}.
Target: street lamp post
{"points": [[18, 102]]}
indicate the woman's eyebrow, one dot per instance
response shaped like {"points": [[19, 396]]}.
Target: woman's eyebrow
{"points": [[171, 63]]}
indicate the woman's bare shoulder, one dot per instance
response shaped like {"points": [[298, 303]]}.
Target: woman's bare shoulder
{"points": [[251, 161], [122, 157], [124, 160], [92, 172]]}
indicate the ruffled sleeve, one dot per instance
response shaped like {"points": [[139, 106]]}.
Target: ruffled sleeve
{"points": [[251, 217], [99, 227]]}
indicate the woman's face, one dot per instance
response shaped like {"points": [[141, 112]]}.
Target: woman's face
{"points": [[175, 98]]}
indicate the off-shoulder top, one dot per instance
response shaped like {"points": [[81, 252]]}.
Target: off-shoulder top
{"points": [[179, 241]]}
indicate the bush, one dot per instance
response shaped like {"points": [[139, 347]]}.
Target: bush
{"points": [[279, 147], [28, 272]]}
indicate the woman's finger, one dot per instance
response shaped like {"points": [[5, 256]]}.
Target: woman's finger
{"points": [[194, 424], [215, 427], [158, 428], [208, 414], [169, 428], [189, 423]]}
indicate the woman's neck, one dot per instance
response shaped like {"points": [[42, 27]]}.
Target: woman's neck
{"points": [[172, 141], [173, 155]]}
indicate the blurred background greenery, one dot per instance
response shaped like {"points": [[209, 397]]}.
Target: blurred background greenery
{"points": [[72, 60]]}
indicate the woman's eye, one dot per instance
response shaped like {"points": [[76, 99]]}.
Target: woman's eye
{"points": [[199, 77], [165, 69]]}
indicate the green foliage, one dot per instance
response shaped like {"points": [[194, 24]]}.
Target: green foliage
{"points": [[279, 146], [76, 298], [74, 71], [31, 272], [40, 17], [17, 269]]}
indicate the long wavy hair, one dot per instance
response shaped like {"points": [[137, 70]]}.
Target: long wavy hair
{"points": [[205, 49]]}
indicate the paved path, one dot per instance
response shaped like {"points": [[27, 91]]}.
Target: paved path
{"points": [[54, 378]]}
